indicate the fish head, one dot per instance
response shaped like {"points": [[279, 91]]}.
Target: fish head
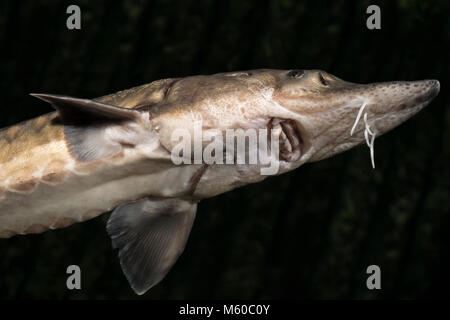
{"points": [[314, 114], [333, 115]]}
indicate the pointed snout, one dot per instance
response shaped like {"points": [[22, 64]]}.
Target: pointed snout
{"points": [[391, 103], [401, 96], [363, 110], [433, 89]]}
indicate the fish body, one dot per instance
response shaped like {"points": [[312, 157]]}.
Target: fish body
{"points": [[43, 186], [117, 152]]}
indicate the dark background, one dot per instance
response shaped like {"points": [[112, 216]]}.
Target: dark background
{"points": [[308, 234]]}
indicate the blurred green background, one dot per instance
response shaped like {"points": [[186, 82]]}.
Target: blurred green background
{"points": [[309, 234]]}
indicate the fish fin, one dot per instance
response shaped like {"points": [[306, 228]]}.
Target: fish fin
{"points": [[150, 234], [94, 130], [90, 143], [76, 110]]}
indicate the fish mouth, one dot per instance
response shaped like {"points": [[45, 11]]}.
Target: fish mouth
{"points": [[291, 142]]}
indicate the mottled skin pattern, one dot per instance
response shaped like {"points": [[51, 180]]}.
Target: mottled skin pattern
{"points": [[37, 140], [44, 185], [34, 157], [42, 139]]}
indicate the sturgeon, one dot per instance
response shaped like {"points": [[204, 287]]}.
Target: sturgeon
{"points": [[116, 152]]}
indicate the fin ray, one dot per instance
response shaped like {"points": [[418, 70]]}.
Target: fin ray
{"points": [[150, 234], [87, 123], [73, 109]]}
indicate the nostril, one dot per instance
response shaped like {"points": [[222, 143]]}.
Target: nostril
{"points": [[322, 79]]}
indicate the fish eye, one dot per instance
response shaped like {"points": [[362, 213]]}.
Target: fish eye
{"points": [[322, 80], [296, 74]]}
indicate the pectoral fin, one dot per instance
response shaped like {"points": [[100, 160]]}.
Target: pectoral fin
{"points": [[76, 110], [94, 130], [150, 234]]}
